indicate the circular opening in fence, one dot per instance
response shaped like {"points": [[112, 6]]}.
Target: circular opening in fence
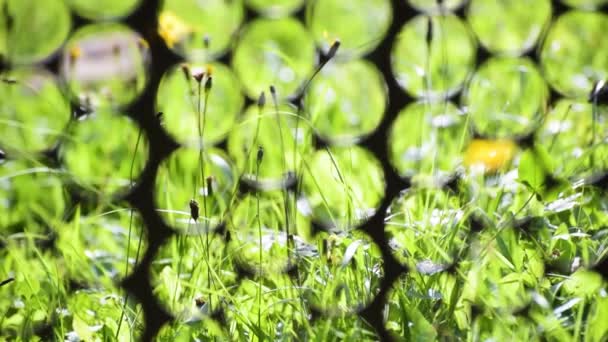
{"points": [[199, 30], [360, 25], [574, 55], [110, 314], [280, 135], [27, 264], [207, 177], [31, 31], [415, 302], [585, 206], [427, 229], [103, 9], [343, 187], [586, 4], [576, 141], [506, 97], [191, 275], [436, 6], [267, 233], [515, 27], [432, 56], [275, 8], [190, 110], [427, 140], [32, 198], [34, 110], [272, 303], [103, 247], [346, 101], [105, 65], [347, 274], [273, 52], [95, 157], [502, 197], [519, 257]]}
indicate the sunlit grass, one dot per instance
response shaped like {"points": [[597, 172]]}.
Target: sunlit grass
{"points": [[505, 251]]}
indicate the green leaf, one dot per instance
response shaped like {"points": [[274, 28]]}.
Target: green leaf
{"points": [[82, 329], [531, 170], [597, 327], [28, 285], [420, 328], [583, 283], [350, 252], [544, 159]]}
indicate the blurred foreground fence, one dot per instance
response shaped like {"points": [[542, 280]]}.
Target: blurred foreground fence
{"points": [[414, 83]]}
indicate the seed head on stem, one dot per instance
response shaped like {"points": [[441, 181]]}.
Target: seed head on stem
{"points": [[194, 210], [198, 76]]}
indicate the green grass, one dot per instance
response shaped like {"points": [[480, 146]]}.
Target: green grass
{"points": [[526, 274], [518, 282]]}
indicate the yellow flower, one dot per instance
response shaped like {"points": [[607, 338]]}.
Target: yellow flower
{"points": [[75, 53], [171, 28], [493, 155], [209, 70]]}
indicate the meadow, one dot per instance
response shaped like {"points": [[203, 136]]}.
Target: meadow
{"points": [[303, 170]]}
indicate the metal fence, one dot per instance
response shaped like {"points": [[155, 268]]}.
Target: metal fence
{"points": [[161, 145]]}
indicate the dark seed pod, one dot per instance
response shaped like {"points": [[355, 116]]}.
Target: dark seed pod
{"points": [[262, 100], [260, 155], [208, 83], [209, 182], [9, 20], [273, 93], [429, 31], [186, 71], [199, 301], [199, 76], [333, 49], [194, 210]]}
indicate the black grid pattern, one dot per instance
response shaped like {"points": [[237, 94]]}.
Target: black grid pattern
{"points": [[161, 145]]}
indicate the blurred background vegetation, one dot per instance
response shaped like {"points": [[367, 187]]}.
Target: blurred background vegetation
{"points": [[440, 176]]}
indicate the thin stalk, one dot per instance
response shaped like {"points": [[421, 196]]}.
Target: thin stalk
{"points": [[126, 296], [261, 255], [201, 123], [283, 159], [246, 166], [594, 115], [331, 53], [554, 139]]}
